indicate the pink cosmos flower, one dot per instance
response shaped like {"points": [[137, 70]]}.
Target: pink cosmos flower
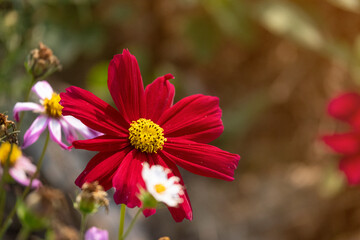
{"points": [[50, 115], [147, 127], [346, 108], [95, 233], [20, 167]]}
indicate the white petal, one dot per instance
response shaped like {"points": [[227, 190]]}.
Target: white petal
{"points": [[81, 128], [36, 128], [43, 89], [26, 106], [55, 132]]}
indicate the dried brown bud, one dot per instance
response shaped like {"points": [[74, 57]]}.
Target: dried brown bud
{"points": [[91, 198], [6, 125], [46, 202], [42, 62], [63, 232]]}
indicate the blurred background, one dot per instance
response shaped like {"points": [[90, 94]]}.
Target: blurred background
{"points": [[273, 64]]}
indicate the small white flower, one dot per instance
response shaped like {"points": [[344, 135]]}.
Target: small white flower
{"points": [[162, 188], [50, 116], [20, 167]]}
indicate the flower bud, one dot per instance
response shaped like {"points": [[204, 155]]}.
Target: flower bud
{"points": [[41, 62], [147, 200], [91, 198]]}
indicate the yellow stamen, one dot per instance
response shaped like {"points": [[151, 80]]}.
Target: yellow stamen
{"points": [[146, 135], [159, 188], [5, 149], [52, 106]]}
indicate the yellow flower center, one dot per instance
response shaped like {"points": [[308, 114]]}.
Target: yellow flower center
{"points": [[52, 106], [146, 135], [159, 188], [5, 149]]}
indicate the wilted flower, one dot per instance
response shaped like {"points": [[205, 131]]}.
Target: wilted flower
{"points": [[91, 198], [147, 127], [6, 135], [95, 233], [163, 188], [46, 202], [42, 62], [19, 167], [50, 116]]}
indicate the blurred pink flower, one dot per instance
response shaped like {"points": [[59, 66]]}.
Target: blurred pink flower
{"points": [[19, 166], [346, 108], [50, 116], [95, 233]]}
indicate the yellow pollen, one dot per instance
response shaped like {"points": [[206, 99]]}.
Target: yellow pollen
{"points": [[146, 135], [52, 106], [159, 188], [5, 149]]}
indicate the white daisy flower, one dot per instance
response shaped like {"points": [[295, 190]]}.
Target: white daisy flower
{"points": [[160, 186], [51, 116]]}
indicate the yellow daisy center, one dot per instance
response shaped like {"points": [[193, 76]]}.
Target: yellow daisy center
{"points": [[5, 149], [146, 135], [159, 188], [52, 106]]}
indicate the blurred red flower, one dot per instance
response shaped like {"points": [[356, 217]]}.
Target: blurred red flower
{"points": [[147, 127], [346, 107]]}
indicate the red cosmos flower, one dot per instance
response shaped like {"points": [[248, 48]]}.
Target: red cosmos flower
{"points": [[147, 127], [346, 108]]}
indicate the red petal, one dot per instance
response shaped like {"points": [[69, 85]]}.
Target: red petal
{"points": [[201, 159], [159, 97], [351, 167], [93, 112], [102, 143], [344, 106], [126, 86], [128, 179], [196, 118], [102, 167], [184, 210], [346, 143]]}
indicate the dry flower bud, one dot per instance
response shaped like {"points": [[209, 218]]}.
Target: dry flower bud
{"points": [[91, 198], [42, 62], [46, 201], [6, 135]]}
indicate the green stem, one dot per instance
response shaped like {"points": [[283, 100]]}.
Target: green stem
{"points": [[132, 224], [2, 184], [122, 221], [83, 224], [8, 220], [23, 234], [27, 95]]}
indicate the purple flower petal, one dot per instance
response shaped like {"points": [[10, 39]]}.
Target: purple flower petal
{"points": [[26, 106], [36, 128], [95, 233], [55, 132], [43, 89], [68, 130], [20, 176]]}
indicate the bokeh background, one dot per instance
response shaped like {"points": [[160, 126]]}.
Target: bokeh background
{"points": [[273, 64]]}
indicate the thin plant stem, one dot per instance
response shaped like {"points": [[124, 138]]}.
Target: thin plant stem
{"points": [[8, 220], [2, 184], [27, 95], [83, 224], [132, 224], [23, 234], [122, 221]]}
